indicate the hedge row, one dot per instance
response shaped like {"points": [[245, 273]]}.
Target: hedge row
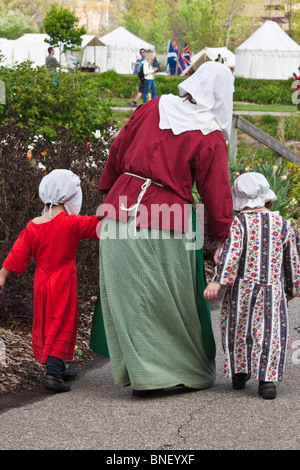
{"points": [[111, 84], [75, 100]]}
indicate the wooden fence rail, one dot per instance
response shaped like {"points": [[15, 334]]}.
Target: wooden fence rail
{"points": [[281, 150]]}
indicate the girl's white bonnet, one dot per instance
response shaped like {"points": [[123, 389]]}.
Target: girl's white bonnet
{"points": [[251, 190], [62, 187]]}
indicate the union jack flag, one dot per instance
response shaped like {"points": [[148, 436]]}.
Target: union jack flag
{"points": [[180, 61], [186, 55]]}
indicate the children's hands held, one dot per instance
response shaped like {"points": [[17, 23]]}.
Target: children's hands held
{"points": [[2, 282], [3, 275], [217, 252], [211, 291]]}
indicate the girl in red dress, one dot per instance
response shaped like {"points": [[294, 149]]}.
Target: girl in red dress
{"points": [[52, 239]]}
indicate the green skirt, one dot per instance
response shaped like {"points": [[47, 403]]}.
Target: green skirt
{"points": [[150, 317]]}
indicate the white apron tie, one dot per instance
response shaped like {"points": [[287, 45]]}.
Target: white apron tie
{"points": [[144, 188]]}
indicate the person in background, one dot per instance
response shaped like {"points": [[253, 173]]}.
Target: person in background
{"points": [[219, 59], [51, 62], [259, 266], [149, 71], [297, 90], [139, 71]]}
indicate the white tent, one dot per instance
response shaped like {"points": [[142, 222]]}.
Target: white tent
{"points": [[94, 52], [269, 53], [6, 49], [123, 49], [210, 53], [34, 48]]}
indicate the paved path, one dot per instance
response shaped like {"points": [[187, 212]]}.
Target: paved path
{"points": [[99, 415]]}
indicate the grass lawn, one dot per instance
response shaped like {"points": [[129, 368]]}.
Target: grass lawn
{"points": [[284, 108]]}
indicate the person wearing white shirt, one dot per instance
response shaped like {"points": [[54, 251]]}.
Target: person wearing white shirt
{"points": [[149, 72]]}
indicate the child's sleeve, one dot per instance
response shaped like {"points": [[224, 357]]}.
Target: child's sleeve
{"points": [[226, 269], [20, 254], [291, 262], [85, 226]]}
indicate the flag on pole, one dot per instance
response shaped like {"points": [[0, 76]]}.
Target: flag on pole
{"points": [[180, 62], [171, 59], [186, 54]]}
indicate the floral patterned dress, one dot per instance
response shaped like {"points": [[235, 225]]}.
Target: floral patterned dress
{"points": [[259, 264]]}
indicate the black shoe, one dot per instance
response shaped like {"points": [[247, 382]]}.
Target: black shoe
{"points": [[69, 374], [145, 393], [239, 381], [133, 104], [56, 385], [267, 390]]}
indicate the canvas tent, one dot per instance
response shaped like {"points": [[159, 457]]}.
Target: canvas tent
{"points": [[210, 53], [6, 49], [123, 49], [28, 47], [94, 51], [34, 48], [269, 53]]}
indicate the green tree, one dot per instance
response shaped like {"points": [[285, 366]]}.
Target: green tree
{"points": [[195, 22], [61, 25], [33, 10], [14, 24]]}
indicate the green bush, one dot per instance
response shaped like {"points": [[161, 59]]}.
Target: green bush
{"points": [[282, 179], [111, 84], [263, 91], [45, 99]]}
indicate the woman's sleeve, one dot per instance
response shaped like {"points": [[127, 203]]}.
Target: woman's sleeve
{"points": [[291, 262], [20, 254], [226, 269], [113, 166], [213, 185]]}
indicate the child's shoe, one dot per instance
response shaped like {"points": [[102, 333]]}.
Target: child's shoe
{"points": [[267, 390], [56, 385], [239, 381], [69, 374]]}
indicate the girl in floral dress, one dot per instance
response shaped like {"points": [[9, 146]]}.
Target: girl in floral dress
{"points": [[259, 265]]}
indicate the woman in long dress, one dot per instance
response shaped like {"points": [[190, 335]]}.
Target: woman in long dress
{"points": [[156, 320]]}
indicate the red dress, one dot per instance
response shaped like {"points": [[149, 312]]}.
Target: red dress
{"points": [[53, 246]]}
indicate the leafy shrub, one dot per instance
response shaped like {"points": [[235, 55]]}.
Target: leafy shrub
{"points": [[282, 181], [263, 91], [24, 160], [46, 99]]}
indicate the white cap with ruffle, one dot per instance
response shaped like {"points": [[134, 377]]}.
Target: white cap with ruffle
{"points": [[61, 187], [251, 190]]}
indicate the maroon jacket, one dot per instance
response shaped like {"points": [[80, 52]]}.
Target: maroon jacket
{"points": [[173, 161]]}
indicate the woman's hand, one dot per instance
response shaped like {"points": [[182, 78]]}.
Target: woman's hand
{"points": [[211, 291]]}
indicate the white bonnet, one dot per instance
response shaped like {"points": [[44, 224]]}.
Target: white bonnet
{"points": [[62, 187], [251, 190], [211, 86]]}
